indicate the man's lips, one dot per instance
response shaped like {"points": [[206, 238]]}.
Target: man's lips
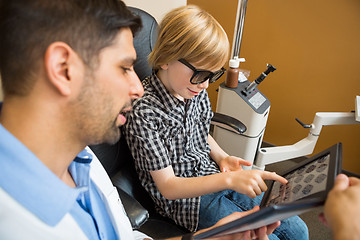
{"points": [[122, 113], [126, 109], [122, 119]]}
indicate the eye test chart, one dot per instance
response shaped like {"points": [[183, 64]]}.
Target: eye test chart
{"points": [[307, 180]]}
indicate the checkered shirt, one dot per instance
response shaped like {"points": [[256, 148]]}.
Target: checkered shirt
{"points": [[162, 131]]}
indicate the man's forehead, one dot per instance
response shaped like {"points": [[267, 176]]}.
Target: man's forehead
{"points": [[123, 47]]}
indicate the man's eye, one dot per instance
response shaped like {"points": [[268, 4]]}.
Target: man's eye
{"points": [[125, 69]]}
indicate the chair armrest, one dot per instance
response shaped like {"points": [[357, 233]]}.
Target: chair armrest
{"points": [[229, 123], [137, 214]]}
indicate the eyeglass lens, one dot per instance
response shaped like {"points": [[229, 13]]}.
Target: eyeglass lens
{"points": [[202, 76]]}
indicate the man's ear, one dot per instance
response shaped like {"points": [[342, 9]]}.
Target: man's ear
{"points": [[58, 58]]}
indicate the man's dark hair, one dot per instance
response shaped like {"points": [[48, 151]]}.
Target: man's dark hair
{"points": [[28, 27]]}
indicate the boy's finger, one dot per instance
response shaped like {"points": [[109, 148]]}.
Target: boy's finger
{"points": [[273, 176], [244, 162]]}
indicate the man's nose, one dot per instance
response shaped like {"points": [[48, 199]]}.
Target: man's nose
{"points": [[136, 87]]}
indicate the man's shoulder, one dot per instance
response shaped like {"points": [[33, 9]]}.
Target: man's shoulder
{"points": [[14, 216]]}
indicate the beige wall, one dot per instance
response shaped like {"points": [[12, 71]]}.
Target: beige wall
{"points": [[315, 47]]}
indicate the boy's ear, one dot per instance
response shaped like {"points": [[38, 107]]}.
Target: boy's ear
{"points": [[57, 64], [164, 66]]}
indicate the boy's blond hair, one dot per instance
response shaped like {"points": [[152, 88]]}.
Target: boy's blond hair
{"points": [[193, 34]]}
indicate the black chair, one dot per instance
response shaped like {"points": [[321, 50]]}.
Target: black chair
{"points": [[117, 159], [119, 164]]}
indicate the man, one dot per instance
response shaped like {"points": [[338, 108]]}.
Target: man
{"points": [[342, 208], [68, 78]]}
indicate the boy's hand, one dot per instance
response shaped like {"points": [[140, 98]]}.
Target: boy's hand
{"points": [[251, 182], [232, 163]]}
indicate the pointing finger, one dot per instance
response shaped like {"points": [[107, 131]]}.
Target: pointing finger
{"points": [[273, 176]]}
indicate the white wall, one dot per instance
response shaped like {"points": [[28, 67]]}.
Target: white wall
{"points": [[157, 8]]}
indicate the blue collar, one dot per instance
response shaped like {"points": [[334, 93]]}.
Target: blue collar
{"points": [[24, 177]]}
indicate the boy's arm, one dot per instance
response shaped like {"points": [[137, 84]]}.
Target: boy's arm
{"points": [[250, 182], [223, 160], [172, 187]]}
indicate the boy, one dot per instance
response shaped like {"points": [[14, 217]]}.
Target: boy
{"points": [[168, 131]]}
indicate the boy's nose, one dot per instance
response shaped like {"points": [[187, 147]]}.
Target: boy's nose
{"points": [[204, 85]]}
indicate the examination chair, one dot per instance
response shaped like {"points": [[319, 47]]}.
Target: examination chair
{"points": [[119, 164], [117, 159]]}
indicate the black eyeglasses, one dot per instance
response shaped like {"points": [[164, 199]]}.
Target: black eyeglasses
{"points": [[201, 76]]}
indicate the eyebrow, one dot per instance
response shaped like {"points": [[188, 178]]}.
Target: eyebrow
{"points": [[129, 60]]}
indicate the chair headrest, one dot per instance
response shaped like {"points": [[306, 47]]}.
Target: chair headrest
{"points": [[144, 42], [116, 156]]}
